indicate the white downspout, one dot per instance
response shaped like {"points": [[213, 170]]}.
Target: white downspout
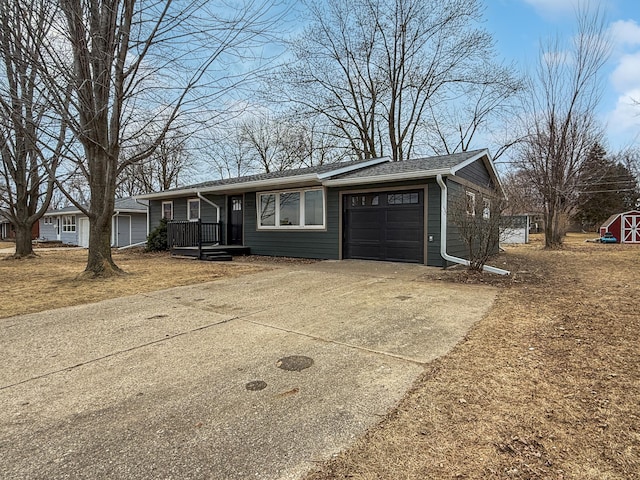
{"points": [[443, 233], [114, 227], [212, 204]]}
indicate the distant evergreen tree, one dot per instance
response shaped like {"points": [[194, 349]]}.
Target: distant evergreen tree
{"points": [[606, 187]]}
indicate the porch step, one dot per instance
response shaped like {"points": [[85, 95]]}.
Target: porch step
{"points": [[217, 256]]}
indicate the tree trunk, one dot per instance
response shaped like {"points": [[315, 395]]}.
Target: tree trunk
{"points": [[99, 261], [24, 247], [552, 229], [103, 187]]}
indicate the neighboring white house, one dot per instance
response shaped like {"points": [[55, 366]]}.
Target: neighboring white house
{"points": [[70, 226]]}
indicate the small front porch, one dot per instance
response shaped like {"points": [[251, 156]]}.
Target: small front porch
{"points": [[201, 240]]}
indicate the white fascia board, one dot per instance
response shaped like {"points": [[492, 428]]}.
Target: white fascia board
{"points": [[56, 213], [271, 183], [469, 161], [489, 164], [351, 168], [391, 177]]}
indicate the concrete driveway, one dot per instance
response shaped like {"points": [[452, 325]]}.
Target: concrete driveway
{"points": [[257, 376]]}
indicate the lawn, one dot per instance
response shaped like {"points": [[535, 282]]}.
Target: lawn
{"points": [[546, 386], [50, 280]]}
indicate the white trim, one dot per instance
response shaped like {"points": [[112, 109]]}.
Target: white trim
{"points": [[630, 233], [486, 208], [166, 202], [301, 225], [390, 177], [72, 226], [469, 161], [189, 200], [470, 198], [488, 165]]}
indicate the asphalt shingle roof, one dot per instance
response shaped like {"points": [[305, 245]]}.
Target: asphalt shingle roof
{"points": [[415, 165], [269, 176], [128, 203]]}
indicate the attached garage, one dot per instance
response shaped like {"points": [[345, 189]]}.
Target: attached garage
{"points": [[384, 226], [624, 226]]}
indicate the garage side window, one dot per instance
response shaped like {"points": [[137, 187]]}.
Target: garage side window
{"points": [[293, 209], [471, 203]]}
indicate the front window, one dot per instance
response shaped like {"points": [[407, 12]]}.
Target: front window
{"points": [[48, 220], [193, 209], [291, 209], [167, 210], [69, 223]]}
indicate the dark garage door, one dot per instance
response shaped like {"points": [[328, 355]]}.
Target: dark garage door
{"points": [[384, 226]]}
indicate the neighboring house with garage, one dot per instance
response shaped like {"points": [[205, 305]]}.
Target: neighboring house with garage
{"points": [[70, 226], [624, 226], [372, 209]]}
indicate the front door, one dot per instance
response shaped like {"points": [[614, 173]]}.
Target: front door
{"points": [[235, 220]]}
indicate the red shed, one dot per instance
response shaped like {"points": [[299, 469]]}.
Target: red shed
{"points": [[624, 226]]}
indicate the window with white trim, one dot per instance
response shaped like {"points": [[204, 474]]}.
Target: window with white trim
{"points": [[486, 208], [167, 210], [193, 209], [471, 203], [48, 220], [291, 209], [69, 223]]}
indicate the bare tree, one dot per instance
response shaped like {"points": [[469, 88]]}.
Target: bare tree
{"points": [[169, 166], [32, 137], [478, 218], [561, 125], [479, 108], [141, 64], [374, 68]]}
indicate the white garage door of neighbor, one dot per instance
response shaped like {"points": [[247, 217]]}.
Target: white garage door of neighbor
{"points": [[83, 232]]}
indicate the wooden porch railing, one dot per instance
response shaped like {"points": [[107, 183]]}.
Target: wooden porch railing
{"points": [[185, 234]]}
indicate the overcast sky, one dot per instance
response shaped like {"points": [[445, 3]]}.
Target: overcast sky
{"points": [[519, 25]]}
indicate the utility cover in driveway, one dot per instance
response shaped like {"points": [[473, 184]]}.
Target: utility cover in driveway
{"points": [[384, 226]]}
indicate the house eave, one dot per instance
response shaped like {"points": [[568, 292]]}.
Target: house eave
{"points": [[391, 177]]}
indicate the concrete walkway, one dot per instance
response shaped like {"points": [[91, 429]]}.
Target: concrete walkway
{"points": [[258, 376]]}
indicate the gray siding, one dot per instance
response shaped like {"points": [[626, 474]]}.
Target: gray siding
{"points": [[456, 246], [477, 173], [434, 259], [207, 211], [294, 243], [47, 231]]}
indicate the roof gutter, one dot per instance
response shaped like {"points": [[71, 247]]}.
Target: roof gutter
{"points": [[212, 204], [443, 233]]}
